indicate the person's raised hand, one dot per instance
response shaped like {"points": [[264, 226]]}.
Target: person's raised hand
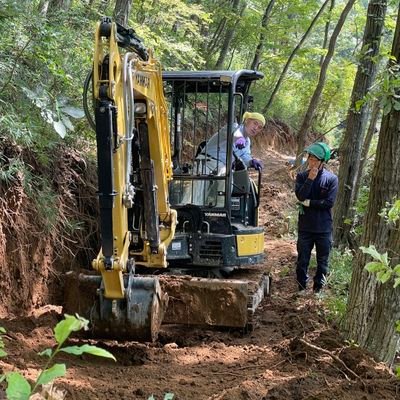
{"points": [[312, 174], [240, 143]]}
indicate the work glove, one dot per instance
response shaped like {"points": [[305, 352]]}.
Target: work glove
{"points": [[306, 203], [257, 164], [240, 143]]}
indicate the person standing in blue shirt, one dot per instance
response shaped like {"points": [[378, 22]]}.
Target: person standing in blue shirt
{"points": [[316, 190]]}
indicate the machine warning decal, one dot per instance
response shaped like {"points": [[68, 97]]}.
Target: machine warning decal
{"points": [[176, 245]]}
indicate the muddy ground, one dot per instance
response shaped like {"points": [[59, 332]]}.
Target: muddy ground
{"points": [[293, 352]]}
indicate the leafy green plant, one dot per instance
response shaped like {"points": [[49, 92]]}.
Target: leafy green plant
{"points": [[381, 266], [338, 281], [392, 214], [2, 351], [397, 368], [56, 112], [19, 388], [167, 396], [10, 169]]}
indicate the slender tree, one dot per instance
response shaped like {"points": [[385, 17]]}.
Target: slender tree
{"points": [[122, 11], [376, 110], [229, 33], [216, 36], [326, 31], [264, 23], [350, 149], [373, 308], [43, 7], [290, 59], [315, 99], [47, 7]]}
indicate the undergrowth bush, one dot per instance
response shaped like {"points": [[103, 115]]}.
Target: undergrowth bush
{"points": [[338, 282]]}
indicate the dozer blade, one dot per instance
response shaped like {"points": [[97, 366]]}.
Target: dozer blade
{"points": [[137, 317], [200, 301]]}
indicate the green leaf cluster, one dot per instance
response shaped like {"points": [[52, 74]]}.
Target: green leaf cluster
{"points": [[391, 213], [381, 266], [19, 388], [167, 396]]}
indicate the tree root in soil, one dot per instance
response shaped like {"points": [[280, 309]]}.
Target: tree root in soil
{"points": [[334, 357]]}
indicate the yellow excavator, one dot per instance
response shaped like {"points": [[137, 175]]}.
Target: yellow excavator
{"points": [[173, 232]]}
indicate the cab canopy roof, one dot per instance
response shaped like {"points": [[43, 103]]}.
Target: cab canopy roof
{"points": [[203, 81]]}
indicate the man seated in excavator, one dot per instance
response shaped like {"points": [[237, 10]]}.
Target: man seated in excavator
{"points": [[212, 154]]}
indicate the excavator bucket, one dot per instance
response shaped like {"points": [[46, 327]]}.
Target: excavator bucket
{"points": [[213, 302], [166, 299], [136, 317]]}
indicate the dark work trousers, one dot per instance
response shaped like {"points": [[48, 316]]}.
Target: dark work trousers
{"points": [[305, 244]]}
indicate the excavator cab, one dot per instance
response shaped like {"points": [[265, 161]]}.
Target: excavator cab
{"points": [[216, 197]]}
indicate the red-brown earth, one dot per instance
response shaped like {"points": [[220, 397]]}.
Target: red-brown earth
{"points": [[294, 351]]}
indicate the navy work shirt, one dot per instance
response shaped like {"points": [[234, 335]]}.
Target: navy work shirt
{"points": [[321, 191]]}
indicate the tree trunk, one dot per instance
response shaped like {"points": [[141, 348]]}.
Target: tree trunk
{"points": [[326, 31], [55, 6], [367, 143], [289, 61], [309, 116], [373, 308], [264, 23], [216, 36], [229, 35], [43, 7], [350, 149], [122, 11]]}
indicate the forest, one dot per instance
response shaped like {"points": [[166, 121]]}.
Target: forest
{"points": [[331, 74]]}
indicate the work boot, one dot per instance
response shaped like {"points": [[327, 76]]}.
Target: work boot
{"points": [[317, 289]]}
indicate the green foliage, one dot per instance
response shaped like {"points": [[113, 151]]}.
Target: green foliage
{"points": [[338, 280], [18, 387], [390, 85], [167, 396], [173, 32], [2, 351], [362, 201], [41, 65], [11, 169], [397, 369], [391, 213], [381, 266]]}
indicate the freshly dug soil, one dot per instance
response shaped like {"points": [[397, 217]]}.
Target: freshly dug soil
{"points": [[292, 352]]}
